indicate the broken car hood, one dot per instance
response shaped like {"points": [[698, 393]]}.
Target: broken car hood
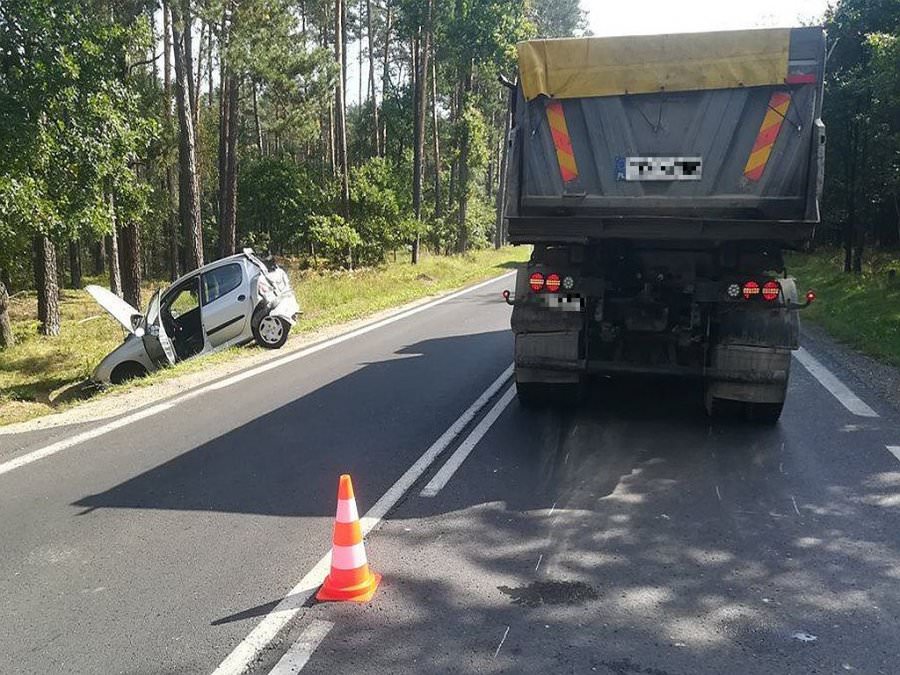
{"points": [[120, 310]]}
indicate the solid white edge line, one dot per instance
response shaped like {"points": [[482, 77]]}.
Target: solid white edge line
{"points": [[836, 388], [300, 652], [245, 653], [66, 443], [90, 434], [894, 450], [451, 466]]}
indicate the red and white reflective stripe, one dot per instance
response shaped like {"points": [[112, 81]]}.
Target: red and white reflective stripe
{"points": [[348, 557], [346, 511]]}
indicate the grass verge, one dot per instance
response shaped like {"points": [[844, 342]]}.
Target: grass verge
{"points": [[40, 375], [860, 310]]}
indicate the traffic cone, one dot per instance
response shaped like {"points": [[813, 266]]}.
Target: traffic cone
{"points": [[350, 577]]}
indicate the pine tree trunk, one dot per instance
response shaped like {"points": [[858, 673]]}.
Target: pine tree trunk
{"points": [[131, 264], [500, 204], [227, 229], [223, 127], [112, 257], [209, 70], [190, 189], [7, 339], [98, 257], [340, 109], [197, 83], [463, 178], [171, 231], [258, 128], [386, 77], [435, 136], [372, 78], [111, 244], [188, 53], [75, 263], [45, 281], [420, 97]]}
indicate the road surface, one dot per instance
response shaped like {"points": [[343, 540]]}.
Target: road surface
{"points": [[625, 535]]}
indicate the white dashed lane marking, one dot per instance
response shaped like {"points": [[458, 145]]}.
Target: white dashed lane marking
{"points": [[246, 652], [300, 652]]}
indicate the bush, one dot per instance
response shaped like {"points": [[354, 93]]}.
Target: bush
{"points": [[379, 209], [332, 238], [277, 198]]}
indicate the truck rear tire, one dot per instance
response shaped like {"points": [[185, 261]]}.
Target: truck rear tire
{"points": [[766, 414], [550, 394], [763, 413]]}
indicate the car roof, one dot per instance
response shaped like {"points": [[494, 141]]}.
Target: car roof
{"points": [[237, 257]]}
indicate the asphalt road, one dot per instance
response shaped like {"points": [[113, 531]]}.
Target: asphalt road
{"points": [[627, 535]]}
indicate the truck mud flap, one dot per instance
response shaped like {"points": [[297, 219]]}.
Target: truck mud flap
{"points": [[533, 349], [755, 374]]}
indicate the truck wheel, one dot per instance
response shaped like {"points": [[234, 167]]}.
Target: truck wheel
{"points": [[550, 394], [530, 394], [763, 413]]}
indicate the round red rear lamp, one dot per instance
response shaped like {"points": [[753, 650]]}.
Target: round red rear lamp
{"points": [[771, 290], [810, 297], [750, 289], [536, 281], [553, 282]]}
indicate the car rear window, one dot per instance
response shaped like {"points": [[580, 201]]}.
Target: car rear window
{"points": [[221, 281]]}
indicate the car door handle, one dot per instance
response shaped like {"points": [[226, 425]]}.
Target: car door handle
{"points": [[241, 298]]}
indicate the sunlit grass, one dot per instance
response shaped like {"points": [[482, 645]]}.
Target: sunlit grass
{"points": [[38, 372], [861, 310]]}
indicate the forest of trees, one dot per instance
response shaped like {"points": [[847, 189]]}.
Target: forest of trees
{"points": [[862, 118], [140, 138]]}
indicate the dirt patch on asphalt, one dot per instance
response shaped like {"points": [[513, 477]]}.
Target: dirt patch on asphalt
{"points": [[550, 593]]}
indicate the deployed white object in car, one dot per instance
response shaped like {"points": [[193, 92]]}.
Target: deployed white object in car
{"points": [[121, 311]]}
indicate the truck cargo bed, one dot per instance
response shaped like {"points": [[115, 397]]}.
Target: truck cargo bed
{"points": [[740, 162]]}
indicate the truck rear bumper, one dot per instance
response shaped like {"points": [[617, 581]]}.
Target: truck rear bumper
{"points": [[616, 368], [575, 229]]}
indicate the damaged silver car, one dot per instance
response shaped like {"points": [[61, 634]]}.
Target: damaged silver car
{"points": [[232, 301]]}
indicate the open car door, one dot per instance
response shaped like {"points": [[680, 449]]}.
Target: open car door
{"points": [[158, 345]]}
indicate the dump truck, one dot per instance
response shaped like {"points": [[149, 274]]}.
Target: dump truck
{"points": [[659, 180]]}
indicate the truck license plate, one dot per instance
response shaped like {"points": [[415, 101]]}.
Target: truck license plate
{"points": [[659, 168]]}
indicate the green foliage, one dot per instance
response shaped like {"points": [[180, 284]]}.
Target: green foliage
{"points": [[380, 208], [278, 198], [331, 237], [862, 113], [71, 127], [860, 310], [557, 18]]}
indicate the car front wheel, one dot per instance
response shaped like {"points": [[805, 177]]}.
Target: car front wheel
{"points": [[271, 332]]}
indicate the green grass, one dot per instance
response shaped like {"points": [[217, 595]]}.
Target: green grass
{"points": [[861, 310], [40, 375]]}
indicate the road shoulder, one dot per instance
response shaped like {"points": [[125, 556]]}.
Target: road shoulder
{"points": [[108, 406]]}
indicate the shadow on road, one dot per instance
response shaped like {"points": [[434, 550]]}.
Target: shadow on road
{"points": [[372, 423], [625, 535]]}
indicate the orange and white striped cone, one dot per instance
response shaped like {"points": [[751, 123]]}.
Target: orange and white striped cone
{"points": [[350, 578]]}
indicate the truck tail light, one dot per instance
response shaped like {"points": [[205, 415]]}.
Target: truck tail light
{"points": [[536, 281], [771, 290], [553, 282], [750, 289]]}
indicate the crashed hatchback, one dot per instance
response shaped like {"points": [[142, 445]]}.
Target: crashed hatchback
{"points": [[232, 301]]}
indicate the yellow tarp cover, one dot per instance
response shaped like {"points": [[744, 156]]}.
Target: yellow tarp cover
{"points": [[609, 66]]}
